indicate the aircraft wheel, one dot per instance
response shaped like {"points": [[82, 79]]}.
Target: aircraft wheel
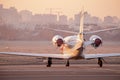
{"points": [[100, 63], [49, 62], [67, 64]]}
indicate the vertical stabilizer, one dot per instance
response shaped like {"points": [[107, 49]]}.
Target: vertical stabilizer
{"points": [[81, 25]]}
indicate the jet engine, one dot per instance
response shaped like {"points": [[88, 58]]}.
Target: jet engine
{"points": [[96, 41], [58, 40]]}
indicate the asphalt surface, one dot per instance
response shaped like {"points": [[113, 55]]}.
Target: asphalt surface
{"points": [[60, 72]]}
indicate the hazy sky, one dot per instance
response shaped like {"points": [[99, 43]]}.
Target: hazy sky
{"points": [[98, 8]]}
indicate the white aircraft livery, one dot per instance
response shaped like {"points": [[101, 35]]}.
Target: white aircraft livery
{"points": [[72, 47]]}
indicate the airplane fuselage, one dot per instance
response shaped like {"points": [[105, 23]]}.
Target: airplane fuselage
{"points": [[75, 51]]}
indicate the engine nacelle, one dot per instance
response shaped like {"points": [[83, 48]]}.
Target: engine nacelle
{"points": [[58, 40], [96, 41]]}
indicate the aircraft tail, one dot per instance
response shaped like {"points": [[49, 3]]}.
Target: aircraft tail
{"points": [[81, 25]]}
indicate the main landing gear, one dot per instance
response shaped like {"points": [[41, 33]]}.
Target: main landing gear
{"points": [[100, 62], [67, 63], [49, 63]]}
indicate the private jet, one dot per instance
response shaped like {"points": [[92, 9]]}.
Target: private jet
{"points": [[72, 47]]}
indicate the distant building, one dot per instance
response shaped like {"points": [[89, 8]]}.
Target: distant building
{"points": [[88, 19], [77, 19], [71, 22], [1, 6], [26, 15], [111, 21], [108, 19], [63, 20], [44, 19]]}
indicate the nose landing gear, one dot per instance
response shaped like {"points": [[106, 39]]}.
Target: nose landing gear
{"points": [[67, 63]]}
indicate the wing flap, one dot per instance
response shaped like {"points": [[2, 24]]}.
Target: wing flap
{"points": [[92, 56]]}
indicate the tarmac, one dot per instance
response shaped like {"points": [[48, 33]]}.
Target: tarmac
{"points": [[33, 68], [60, 72]]}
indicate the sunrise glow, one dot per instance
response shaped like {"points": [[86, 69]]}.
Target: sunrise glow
{"points": [[98, 8]]}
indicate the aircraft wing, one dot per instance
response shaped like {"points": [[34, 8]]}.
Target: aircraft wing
{"points": [[93, 56], [59, 56]]}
